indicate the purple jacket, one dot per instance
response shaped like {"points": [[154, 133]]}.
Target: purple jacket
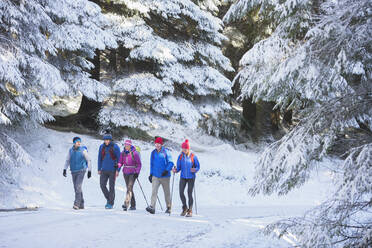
{"points": [[130, 165]]}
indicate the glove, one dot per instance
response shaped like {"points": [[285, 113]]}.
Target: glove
{"points": [[164, 173], [89, 174], [136, 176], [64, 173], [150, 178]]}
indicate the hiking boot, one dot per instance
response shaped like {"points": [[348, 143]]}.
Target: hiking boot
{"points": [[189, 213], [75, 207], [132, 208], [124, 208], [184, 211], [168, 211], [81, 207], [109, 206], [150, 209]]}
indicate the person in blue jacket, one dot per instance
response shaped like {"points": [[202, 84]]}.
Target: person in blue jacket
{"points": [[78, 161], [189, 165], [161, 164], [108, 157]]}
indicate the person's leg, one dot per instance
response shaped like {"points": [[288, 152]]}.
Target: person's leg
{"points": [[132, 199], [103, 182], [130, 180], [190, 188], [112, 179], [74, 181], [80, 179], [182, 192], [165, 183], [155, 188]]}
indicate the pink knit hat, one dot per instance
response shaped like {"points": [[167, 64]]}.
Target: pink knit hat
{"points": [[128, 143], [185, 145]]}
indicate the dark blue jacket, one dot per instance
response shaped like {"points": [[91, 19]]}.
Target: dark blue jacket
{"points": [[108, 164], [77, 159], [184, 165], [161, 161]]}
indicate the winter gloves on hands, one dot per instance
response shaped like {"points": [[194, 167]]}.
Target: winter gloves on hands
{"points": [[150, 178], [64, 173], [164, 173], [135, 175], [89, 174]]}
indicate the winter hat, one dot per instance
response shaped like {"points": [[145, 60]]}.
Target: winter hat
{"points": [[76, 139], [128, 143], [185, 145], [107, 137], [159, 140]]}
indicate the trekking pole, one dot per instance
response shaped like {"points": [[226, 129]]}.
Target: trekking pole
{"points": [[172, 190], [196, 207], [160, 203], [142, 192]]}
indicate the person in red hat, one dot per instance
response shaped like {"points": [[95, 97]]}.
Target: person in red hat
{"points": [[189, 165], [161, 164]]}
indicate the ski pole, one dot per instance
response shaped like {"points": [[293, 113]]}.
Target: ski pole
{"points": [[172, 190], [196, 207], [142, 192], [160, 203]]}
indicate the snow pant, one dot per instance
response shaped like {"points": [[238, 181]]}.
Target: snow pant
{"points": [[190, 187], [109, 194], [165, 183], [129, 181], [77, 180]]}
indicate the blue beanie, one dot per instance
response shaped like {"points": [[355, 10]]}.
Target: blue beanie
{"points": [[76, 139], [107, 137]]}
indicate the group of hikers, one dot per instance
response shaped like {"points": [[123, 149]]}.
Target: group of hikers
{"points": [[111, 161]]}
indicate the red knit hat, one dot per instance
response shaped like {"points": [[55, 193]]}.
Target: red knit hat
{"points": [[185, 145], [159, 140]]}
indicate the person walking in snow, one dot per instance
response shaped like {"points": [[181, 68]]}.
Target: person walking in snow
{"points": [[131, 163], [78, 161], [108, 156], [189, 165], [161, 164]]}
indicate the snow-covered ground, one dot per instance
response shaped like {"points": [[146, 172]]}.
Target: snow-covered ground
{"points": [[227, 215]]}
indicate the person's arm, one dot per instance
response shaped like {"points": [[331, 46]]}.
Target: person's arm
{"points": [[179, 163], [121, 161], [138, 162], [170, 161], [100, 158], [117, 155], [197, 164], [151, 162], [67, 162], [86, 156]]}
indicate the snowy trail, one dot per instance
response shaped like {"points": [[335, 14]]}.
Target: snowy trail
{"points": [[97, 227], [228, 216]]}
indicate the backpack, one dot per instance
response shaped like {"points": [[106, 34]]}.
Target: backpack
{"points": [[138, 150], [111, 151], [192, 159]]}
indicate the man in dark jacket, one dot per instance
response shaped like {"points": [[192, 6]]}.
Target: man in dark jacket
{"points": [[108, 156]]}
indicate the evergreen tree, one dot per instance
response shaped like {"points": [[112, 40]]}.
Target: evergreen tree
{"points": [[44, 47], [317, 63], [170, 65]]}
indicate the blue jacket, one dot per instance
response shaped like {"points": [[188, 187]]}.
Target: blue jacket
{"points": [[184, 165], [160, 161], [77, 159], [108, 164]]}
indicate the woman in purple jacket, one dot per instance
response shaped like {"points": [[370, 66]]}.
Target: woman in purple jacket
{"points": [[130, 160], [189, 165]]}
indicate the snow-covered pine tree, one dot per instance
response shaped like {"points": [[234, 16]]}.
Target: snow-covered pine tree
{"points": [[317, 62], [173, 68], [44, 46]]}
